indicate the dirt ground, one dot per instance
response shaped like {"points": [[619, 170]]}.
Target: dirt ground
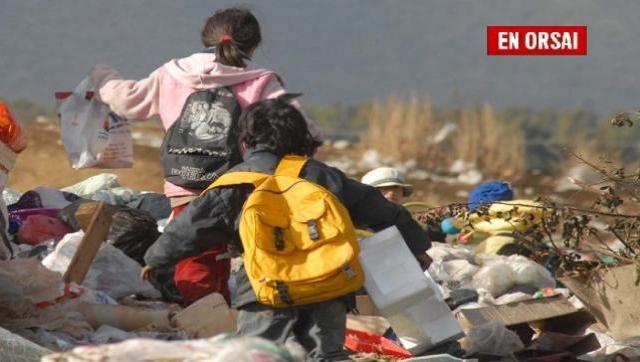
{"points": [[45, 163]]}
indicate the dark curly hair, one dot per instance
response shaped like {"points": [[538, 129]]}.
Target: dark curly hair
{"points": [[278, 126]]}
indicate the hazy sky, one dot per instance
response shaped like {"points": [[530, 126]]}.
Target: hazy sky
{"points": [[337, 50]]}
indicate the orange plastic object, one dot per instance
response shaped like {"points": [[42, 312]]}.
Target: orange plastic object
{"points": [[11, 133], [359, 341]]}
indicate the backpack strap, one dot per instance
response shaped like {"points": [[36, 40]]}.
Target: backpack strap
{"points": [[237, 178], [291, 165]]}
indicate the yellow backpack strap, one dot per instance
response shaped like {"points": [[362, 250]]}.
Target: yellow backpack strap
{"points": [[291, 165], [237, 178]]}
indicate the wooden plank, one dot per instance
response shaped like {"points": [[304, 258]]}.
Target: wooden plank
{"points": [[86, 210], [367, 323], [206, 317], [95, 233], [365, 305], [521, 312]]}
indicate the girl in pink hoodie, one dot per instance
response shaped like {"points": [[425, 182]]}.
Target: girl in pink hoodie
{"points": [[230, 37]]}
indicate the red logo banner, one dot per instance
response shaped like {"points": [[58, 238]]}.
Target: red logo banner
{"points": [[536, 40]]}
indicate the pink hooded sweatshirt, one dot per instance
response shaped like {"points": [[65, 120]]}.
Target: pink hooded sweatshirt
{"points": [[164, 92]]}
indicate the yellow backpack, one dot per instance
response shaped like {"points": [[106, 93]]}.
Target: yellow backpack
{"points": [[300, 245]]}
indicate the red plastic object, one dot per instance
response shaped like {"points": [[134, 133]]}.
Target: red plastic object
{"points": [[11, 133], [39, 228], [359, 341], [200, 275]]}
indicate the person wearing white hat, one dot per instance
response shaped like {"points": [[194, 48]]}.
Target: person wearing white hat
{"points": [[390, 182]]}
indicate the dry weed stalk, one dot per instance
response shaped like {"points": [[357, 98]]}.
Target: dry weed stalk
{"points": [[405, 130]]}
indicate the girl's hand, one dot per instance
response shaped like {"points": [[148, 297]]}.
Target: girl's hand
{"points": [[146, 273]]}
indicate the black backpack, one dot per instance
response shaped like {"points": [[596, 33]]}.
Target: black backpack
{"points": [[203, 143]]}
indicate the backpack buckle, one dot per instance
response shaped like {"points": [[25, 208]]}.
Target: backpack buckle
{"points": [[313, 230], [279, 238], [348, 269], [283, 292]]}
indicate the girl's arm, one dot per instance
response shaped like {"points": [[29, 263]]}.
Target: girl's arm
{"points": [[128, 98]]}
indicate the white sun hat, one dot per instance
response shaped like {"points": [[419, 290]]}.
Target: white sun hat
{"points": [[385, 177]]}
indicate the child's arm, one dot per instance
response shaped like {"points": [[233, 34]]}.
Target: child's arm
{"points": [[203, 224], [368, 208], [128, 98]]}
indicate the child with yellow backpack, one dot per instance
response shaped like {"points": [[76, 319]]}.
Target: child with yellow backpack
{"points": [[293, 220]]}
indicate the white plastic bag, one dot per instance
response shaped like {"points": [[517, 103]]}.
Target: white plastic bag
{"points": [[87, 188], [500, 273], [111, 272], [93, 136]]}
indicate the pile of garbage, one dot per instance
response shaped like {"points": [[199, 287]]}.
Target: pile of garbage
{"points": [[59, 300], [58, 294]]}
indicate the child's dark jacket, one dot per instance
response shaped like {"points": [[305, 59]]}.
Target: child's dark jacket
{"points": [[213, 218]]}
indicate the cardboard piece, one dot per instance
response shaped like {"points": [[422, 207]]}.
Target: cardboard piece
{"points": [[520, 312], [126, 318], [577, 345], [365, 305], [612, 296], [370, 324], [206, 317], [574, 324], [96, 232]]}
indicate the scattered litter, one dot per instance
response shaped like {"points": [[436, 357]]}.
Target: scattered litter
{"points": [[581, 173], [221, 348], [492, 338], [501, 273], [341, 144], [444, 132], [39, 228], [460, 166], [90, 186], [10, 196], [417, 174], [470, 177]]}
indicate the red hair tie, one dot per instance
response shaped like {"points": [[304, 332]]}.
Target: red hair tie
{"points": [[225, 38]]}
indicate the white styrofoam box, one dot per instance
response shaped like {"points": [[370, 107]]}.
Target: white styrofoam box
{"points": [[437, 289], [404, 294], [392, 273]]}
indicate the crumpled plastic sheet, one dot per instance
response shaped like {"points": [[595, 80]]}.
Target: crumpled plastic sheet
{"points": [[454, 274], [58, 341], [493, 338], [115, 196], [42, 197], [91, 185], [499, 274], [609, 347], [27, 280], [221, 348], [445, 252], [14, 348], [10, 196]]}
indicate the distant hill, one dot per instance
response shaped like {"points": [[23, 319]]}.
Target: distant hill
{"points": [[336, 50]]}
